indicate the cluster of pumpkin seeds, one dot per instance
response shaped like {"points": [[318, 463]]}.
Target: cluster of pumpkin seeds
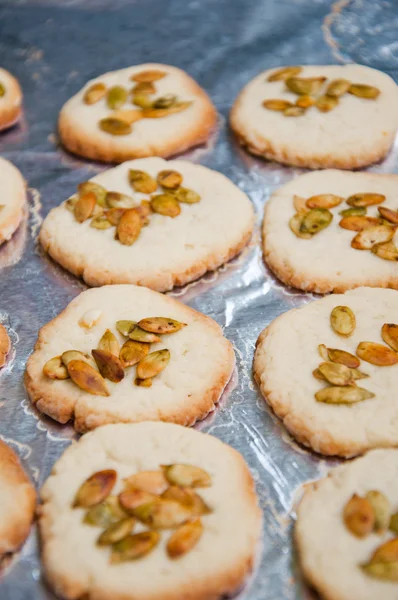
{"points": [[112, 209], [341, 368], [111, 360], [120, 121], [373, 233], [372, 513], [308, 91], [153, 500]]}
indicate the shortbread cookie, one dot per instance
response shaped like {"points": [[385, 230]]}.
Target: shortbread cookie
{"points": [[5, 345], [346, 530], [188, 220], [146, 110], [10, 100], [186, 514], [330, 231], [342, 116], [170, 369], [334, 388], [12, 201], [17, 501]]}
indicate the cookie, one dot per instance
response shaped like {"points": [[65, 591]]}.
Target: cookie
{"points": [[17, 502], [318, 408], [346, 549], [5, 345], [13, 199], [200, 539], [181, 384], [10, 100], [286, 115], [145, 110], [348, 238], [184, 231]]}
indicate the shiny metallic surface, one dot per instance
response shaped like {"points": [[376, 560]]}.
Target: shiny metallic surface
{"points": [[53, 48]]}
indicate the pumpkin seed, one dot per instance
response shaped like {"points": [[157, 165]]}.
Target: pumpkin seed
{"points": [[108, 365], [294, 111], [94, 93], [100, 222], [377, 354], [186, 195], [131, 499], [2, 90], [381, 508], [359, 223], [109, 343], [336, 374], [135, 546], [165, 101], [343, 395], [70, 355], [315, 220], [305, 86], [324, 201], [117, 200], [166, 205], [124, 327], [387, 552], [153, 482], [84, 207], [169, 179], [143, 101], [393, 526], [364, 91], [161, 325], [387, 571], [284, 73], [144, 87], [116, 97], [116, 532], [143, 382], [299, 203], [295, 225], [139, 335], [342, 320], [142, 182], [318, 375], [95, 489], [132, 352], [387, 251], [157, 113], [162, 514], [184, 538], [186, 475], [128, 116], [378, 234], [338, 87], [106, 513], [365, 199], [129, 227], [389, 333], [387, 213], [114, 215], [323, 351], [358, 516], [98, 190], [55, 369], [153, 364], [115, 126], [277, 105], [190, 499], [305, 101], [360, 211], [326, 103], [148, 76], [87, 378], [343, 358]]}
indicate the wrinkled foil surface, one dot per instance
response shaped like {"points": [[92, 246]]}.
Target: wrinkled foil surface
{"points": [[54, 48]]}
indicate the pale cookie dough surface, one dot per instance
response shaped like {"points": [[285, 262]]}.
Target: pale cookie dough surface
{"points": [[10, 103], [327, 262], [80, 133], [169, 251], [217, 565], [17, 501], [200, 366], [356, 133], [328, 552], [287, 353], [13, 199]]}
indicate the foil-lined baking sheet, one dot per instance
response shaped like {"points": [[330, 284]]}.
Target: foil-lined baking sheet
{"points": [[54, 48]]}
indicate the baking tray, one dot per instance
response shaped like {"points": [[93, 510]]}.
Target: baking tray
{"points": [[53, 49]]}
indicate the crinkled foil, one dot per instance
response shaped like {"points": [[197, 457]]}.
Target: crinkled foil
{"points": [[54, 48]]}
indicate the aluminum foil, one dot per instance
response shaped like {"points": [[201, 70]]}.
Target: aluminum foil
{"points": [[54, 48]]}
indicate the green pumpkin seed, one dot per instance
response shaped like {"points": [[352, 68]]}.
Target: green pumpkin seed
{"points": [[100, 222], [105, 514], [185, 195], [387, 251], [95, 489], [342, 395], [184, 539], [144, 87], [165, 101], [381, 508], [342, 320], [389, 333], [116, 97], [315, 220], [117, 200], [277, 105], [94, 93], [365, 199], [153, 364], [132, 352], [142, 182], [387, 571], [169, 179], [336, 374], [165, 204], [324, 201], [2, 90], [393, 526], [129, 227], [343, 358], [161, 325], [108, 365], [116, 532], [139, 335], [369, 92], [295, 225], [284, 73], [378, 234], [294, 111], [142, 100], [358, 516], [326, 103], [124, 327], [115, 126], [162, 514], [98, 190], [305, 101], [307, 86], [388, 214], [360, 211], [185, 475], [338, 87], [109, 343], [55, 369], [377, 354], [135, 546]]}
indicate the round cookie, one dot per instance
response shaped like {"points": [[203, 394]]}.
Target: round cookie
{"points": [[178, 114], [216, 565], [13, 199], [356, 132], [328, 260], [332, 558], [17, 501], [170, 250], [5, 345], [10, 100], [287, 354], [200, 364]]}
